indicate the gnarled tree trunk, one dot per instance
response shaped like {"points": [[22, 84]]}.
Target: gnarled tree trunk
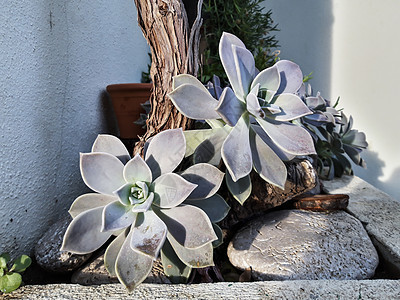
{"points": [[174, 50]]}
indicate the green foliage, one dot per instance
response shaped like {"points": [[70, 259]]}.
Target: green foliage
{"points": [[10, 278], [246, 19]]}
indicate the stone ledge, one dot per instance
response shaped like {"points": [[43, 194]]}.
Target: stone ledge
{"points": [[301, 289], [379, 213]]}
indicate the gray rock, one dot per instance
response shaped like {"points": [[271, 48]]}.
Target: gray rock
{"points": [[94, 272], [379, 213], [303, 245], [48, 254]]}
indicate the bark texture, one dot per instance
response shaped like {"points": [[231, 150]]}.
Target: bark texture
{"points": [[302, 177], [174, 50]]}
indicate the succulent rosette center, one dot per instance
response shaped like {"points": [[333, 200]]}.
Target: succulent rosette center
{"points": [[139, 193]]}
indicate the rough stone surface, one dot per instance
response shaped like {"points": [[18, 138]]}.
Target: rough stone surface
{"points": [[299, 290], [94, 272], [303, 245], [379, 213], [48, 254], [302, 177]]}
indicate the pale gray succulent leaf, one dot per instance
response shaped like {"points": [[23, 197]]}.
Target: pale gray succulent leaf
{"points": [[101, 172], [207, 178], [230, 108], [194, 102], [269, 79], [148, 234], [315, 102], [215, 207], [174, 268], [241, 189], [289, 137], [84, 233], [209, 151], [253, 105], [117, 216], [182, 79], [165, 151], [171, 190], [215, 123], [132, 267], [195, 137], [200, 257], [145, 206], [89, 201], [189, 225], [291, 76], [123, 193], [111, 254], [283, 155], [292, 107], [355, 138], [266, 163], [245, 67], [137, 170], [112, 145], [236, 151], [227, 59]]}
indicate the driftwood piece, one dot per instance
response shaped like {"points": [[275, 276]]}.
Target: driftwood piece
{"points": [[302, 177], [321, 202], [174, 50]]}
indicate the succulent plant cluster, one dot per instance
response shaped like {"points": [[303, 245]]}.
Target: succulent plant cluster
{"points": [[335, 141], [251, 121], [263, 119], [148, 208]]}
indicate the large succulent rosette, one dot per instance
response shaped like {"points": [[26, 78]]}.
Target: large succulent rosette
{"points": [[251, 120], [142, 203]]}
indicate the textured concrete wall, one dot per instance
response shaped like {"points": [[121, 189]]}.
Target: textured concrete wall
{"points": [[353, 49], [56, 58]]}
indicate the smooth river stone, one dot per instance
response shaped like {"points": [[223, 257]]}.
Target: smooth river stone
{"points": [[304, 245]]}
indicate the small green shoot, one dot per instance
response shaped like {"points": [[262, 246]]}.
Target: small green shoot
{"points": [[10, 278]]}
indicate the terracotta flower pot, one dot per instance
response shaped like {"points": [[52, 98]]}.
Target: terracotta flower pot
{"points": [[126, 99]]}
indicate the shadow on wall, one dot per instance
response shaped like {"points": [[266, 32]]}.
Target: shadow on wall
{"points": [[305, 37], [108, 118], [374, 171]]}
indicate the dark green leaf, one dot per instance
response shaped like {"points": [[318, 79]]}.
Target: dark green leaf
{"points": [[21, 263]]}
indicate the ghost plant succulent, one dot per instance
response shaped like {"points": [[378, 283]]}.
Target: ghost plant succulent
{"points": [[142, 202], [251, 120], [335, 141]]}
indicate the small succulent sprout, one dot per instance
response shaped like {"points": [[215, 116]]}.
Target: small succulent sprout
{"points": [[142, 202], [10, 277], [250, 121]]}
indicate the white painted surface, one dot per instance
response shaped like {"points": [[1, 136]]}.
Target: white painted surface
{"points": [[56, 57], [353, 48]]}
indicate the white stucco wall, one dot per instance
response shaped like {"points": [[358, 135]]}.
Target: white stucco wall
{"points": [[353, 49], [56, 58]]}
